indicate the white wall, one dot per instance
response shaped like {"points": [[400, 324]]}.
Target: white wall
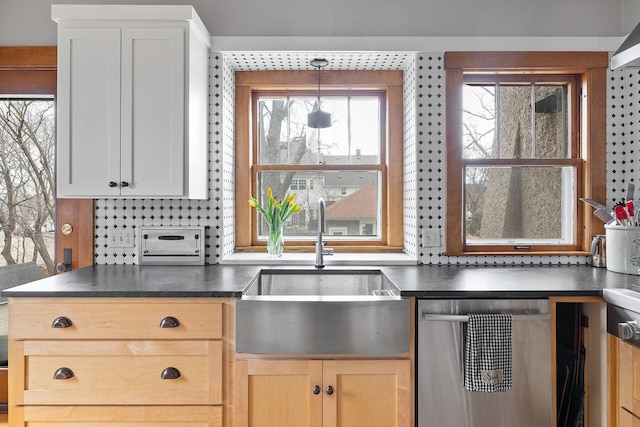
{"points": [[27, 22], [630, 15]]}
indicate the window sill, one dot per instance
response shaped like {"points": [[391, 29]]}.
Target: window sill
{"points": [[519, 253], [309, 259]]}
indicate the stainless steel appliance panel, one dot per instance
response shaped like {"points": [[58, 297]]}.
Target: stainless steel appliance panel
{"points": [[171, 245], [442, 398]]}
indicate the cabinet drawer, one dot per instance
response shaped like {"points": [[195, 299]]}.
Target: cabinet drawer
{"points": [[129, 416], [120, 319], [121, 372]]}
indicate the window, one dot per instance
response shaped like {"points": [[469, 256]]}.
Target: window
{"points": [[525, 140], [288, 154], [30, 72], [298, 184], [361, 152], [27, 136]]}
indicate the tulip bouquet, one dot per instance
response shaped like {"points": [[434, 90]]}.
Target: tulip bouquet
{"points": [[275, 213]]}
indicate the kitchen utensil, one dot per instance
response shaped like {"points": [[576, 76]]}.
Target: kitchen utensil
{"points": [[598, 251], [604, 215], [593, 203], [621, 215], [630, 191]]}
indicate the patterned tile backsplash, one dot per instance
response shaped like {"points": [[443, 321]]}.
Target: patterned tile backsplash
{"points": [[424, 157]]}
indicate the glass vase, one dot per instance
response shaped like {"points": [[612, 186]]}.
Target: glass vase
{"points": [[275, 242]]}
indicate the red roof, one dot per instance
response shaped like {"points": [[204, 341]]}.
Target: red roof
{"points": [[359, 204]]}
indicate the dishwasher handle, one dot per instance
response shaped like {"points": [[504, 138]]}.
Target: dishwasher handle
{"points": [[463, 318]]}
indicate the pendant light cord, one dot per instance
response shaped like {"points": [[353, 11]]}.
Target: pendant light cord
{"points": [[318, 105]]}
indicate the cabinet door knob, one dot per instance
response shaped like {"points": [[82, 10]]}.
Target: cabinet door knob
{"points": [[329, 390], [113, 184], [63, 374], [316, 389], [170, 374], [169, 322], [61, 322], [124, 184]]}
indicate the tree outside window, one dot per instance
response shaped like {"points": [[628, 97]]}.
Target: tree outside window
{"points": [[27, 204]]}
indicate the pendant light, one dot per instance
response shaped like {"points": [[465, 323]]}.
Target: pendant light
{"points": [[318, 119]]}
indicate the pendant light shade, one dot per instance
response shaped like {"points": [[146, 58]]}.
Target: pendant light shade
{"points": [[319, 119]]}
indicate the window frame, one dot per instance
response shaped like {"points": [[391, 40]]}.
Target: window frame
{"points": [[332, 82], [590, 135]]}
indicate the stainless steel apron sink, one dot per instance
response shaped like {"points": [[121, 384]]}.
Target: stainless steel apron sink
{"points": [[328, 311]]}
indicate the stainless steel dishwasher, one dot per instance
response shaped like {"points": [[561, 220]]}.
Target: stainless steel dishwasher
{"points": [[442, 399]]}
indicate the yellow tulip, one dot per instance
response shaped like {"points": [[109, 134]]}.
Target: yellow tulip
{"points": [[278, 210]]}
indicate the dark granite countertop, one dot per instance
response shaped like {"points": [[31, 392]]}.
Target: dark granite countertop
{"points": [[418, 281]]}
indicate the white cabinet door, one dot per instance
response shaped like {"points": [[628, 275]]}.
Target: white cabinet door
{"points": [[153, 111], [88, 143], [121, 106]]}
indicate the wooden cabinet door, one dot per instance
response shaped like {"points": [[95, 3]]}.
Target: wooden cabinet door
{"points": [[627, 419], [153, 112], [629, 377], [279, 393], [88, 112], [372, 393]]}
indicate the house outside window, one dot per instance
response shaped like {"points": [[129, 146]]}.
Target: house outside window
{"points": [[524, 142], [354, 158]]}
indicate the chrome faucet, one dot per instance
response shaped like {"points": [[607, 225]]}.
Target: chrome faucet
{"points": [[321, 251]]}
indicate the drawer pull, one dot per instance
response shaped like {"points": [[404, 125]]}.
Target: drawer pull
{"points": [[61, 322], [169, 322], [63, 374], [170, 374]]}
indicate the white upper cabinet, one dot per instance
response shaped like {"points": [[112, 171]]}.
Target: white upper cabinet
{"points": [[132, 101]]}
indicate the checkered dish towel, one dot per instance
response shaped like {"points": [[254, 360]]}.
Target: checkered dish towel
{"points": [[487, 354]]}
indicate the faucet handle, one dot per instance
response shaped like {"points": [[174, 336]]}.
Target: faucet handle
{"points": [[327, 251]]}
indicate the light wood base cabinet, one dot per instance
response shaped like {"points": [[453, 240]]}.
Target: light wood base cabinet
{"points": [[129, 362], [627, 419], [623, 366], [323, 393], [121, 416], [629, 377]]}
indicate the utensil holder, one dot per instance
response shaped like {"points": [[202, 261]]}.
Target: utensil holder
{"points": [[623, 249]]}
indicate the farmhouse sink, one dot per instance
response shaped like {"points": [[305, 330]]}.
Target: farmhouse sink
{"points": [[328, 311], [333, 284]]}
